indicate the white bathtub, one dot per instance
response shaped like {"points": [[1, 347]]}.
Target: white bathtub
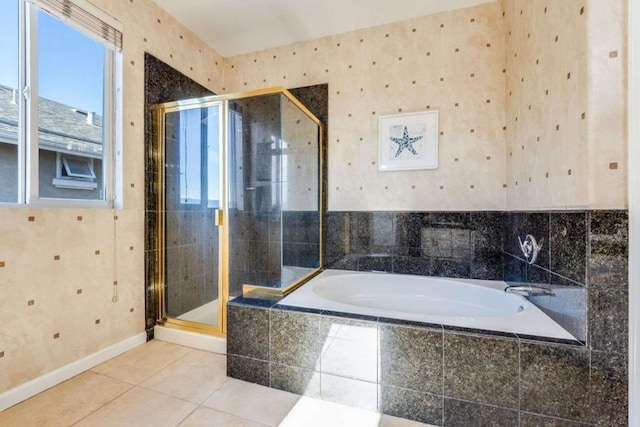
{"points": [[477, 304]]}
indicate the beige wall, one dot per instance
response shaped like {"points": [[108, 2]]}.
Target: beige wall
{"points": [[466, 48], [398, 68], [566, 144], [42, 296]]}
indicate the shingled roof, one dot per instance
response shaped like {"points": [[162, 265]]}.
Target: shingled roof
{"points": [[62, 128]]}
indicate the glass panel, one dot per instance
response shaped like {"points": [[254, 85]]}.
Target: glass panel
{"points": [[192, 140], [9, 102], [300, 193], [274, 205], [255, 193], [70, 108], [190, 157]]}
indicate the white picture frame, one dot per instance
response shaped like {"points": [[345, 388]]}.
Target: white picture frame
{"points": [[408, 141]]}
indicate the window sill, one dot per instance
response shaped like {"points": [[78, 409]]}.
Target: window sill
{"points": [[74, 185]]}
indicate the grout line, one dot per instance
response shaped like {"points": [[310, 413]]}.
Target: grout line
{"points": [[105, 404]]}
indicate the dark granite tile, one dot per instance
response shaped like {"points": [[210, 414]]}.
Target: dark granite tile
{"points": [[450, 268], [523, 223], [336, 225], [459, 413], [348, 262], [539, 339], [411, 358], [609, 222], [349, 391], [609, 241], [247, 369], [402, 322], [411, 265], [452, 220], [248, 331], [352, 316], [515, 270], [294, 339], [408, 228], [479, 332], [487, 266], [487, 231], [609, 389], [350, 348], [372, 230], [300, 381], [256, 299], [554, 381], [568, 245], [533, 420], [375, 263], [309, 310], [412, 405], [608, 320], [536, 274], [495, 383]]}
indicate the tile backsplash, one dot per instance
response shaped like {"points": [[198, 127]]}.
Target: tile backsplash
{"points": [[583, 257]]}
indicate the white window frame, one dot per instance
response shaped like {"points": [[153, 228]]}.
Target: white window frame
{"points": [[28, 146], [62, 161]]}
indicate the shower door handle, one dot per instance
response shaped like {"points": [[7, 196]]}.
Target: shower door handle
{"points": [[217, 217]]}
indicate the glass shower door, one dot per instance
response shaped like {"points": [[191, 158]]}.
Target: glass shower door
{"points": [[192, 216]]}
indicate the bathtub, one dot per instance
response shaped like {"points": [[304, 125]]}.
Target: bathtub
{"points": [[475, 304]]}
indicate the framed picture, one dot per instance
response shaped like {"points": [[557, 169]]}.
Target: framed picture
{"points": [[408, 141]]}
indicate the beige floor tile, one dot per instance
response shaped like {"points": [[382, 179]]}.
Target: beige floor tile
{"points": [[389, 421], [140, 407], [65, 403], [253, 402], [142, 362], [310, 412], [210, 417], [193, 377]]}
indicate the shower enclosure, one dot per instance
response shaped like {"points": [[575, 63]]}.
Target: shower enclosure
{"points": [[239, 202]]}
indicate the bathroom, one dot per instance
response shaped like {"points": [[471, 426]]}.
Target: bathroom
{"points": [[507, 147]]}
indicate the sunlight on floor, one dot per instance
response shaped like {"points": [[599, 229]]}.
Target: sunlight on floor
{"points": [[310, 412]]}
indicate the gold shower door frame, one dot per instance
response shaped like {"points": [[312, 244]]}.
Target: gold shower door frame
{"points": [[222, 214]]}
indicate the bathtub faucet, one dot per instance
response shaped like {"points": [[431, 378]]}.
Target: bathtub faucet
{"points": [[530, 290]]}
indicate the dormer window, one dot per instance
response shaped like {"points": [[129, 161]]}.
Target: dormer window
{"points": [[74, 172]]}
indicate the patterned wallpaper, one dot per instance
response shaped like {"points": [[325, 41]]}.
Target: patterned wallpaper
{"points": [[58, 266], [452, 62], [565, 105]]}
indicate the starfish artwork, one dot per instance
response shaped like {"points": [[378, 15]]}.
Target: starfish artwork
{"points": [[406, 142]]}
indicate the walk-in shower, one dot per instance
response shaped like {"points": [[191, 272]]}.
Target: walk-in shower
{"points": [[239, 202]]}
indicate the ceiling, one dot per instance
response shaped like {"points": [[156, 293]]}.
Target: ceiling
{"points": [[233, 27]]}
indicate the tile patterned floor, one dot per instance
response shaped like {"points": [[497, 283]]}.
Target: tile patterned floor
{"points": [[162, 384]]}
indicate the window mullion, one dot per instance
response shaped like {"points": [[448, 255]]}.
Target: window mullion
{"points": [[31, 111]]}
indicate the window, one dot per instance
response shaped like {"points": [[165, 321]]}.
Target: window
{"points": [[57, 102]]}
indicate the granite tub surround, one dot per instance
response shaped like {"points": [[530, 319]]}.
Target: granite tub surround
{"points": [[583, 257], [425, 372], [446, 244]]}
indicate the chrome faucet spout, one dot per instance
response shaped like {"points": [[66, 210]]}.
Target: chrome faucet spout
{"points": [[530, 290]]}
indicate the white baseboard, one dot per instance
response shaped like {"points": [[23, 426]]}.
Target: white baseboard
{"points": [[191, 339], [50, 379]]}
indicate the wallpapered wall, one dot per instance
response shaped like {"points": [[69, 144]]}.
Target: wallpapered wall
{"points": [[452, 62], [565, 104], [58, 266]]}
